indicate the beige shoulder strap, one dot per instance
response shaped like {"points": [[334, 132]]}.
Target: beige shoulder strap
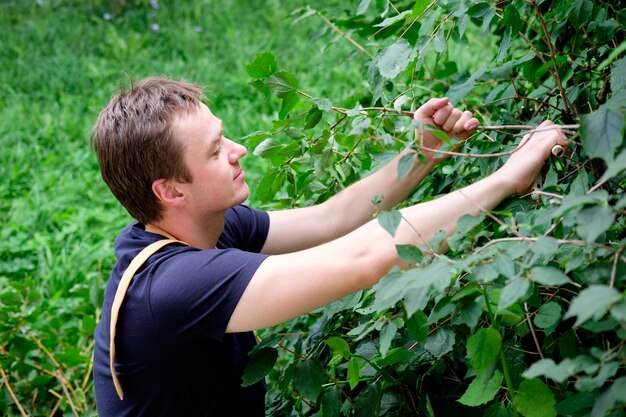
{"points": [[120, 293]]}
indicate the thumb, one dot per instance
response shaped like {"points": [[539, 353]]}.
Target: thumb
{"points": [[429, 108]]}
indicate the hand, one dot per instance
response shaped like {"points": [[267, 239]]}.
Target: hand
{"points": [[526, 162], [439, 112]]}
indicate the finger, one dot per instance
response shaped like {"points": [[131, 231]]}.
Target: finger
{"points": [[442, 114], [471, 125], [454, 117], [429, 108], [466, 125]]}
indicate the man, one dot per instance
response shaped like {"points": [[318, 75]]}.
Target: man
{"points": [[182, 329]]}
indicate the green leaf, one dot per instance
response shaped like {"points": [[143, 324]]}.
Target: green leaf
{"points": [[618, 74], [593, 301], [313, 117], [548, 316], [367, 403], [589, 383], [545, 246], [417, 326], [547, 368], [391, 20], [546, 275], [323, 104], [282, 83], [354, 371], [308, 378], [485, 273], [394, 59], [498, 409], [409, 253], [360, 125], [483, 349], [263, 65], [506, 43], [387, 333], [440, 342], [580, 12], [460, 90], [592, 221], [268, 147], [289, 102], [602, 131], [614, 167], [375, 81], [339, 346], [479, 392], [331, 402], [619, 389], [534, 399], [363, 6], [260, 364], [513, 291], [405, 164], [395, 355], [574, 403], [512, 18], [390, 220], [618, 311]]}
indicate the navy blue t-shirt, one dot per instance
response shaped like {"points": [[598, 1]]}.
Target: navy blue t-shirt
{"points": [[172, 355]]}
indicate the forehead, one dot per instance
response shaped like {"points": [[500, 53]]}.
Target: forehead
{"points": [[200, 124]]}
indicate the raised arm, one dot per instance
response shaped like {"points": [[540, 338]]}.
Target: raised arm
{"points": [[289, 285], [298, 229]]}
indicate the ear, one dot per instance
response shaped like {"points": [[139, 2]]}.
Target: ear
{"points": [[167, 193]]}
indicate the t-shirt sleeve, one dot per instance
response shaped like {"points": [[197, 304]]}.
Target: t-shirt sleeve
{"points": [[244, 228], [194, 293]]}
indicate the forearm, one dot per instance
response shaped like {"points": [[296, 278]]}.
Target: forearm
{"points": [[344, 212], [353, 206], [423, 221]]}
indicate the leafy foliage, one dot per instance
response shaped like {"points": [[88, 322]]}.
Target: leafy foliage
{"points": [[61, 62], [524, 315]]}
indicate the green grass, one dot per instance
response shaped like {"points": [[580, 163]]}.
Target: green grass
{"points": [[61, 61]]}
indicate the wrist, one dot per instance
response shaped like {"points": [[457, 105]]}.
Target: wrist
{"points": [[505, 182]]}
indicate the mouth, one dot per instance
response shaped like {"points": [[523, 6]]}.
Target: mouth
{"points": [[239, 175]]}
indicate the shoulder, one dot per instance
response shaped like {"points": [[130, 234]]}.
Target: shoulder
{"points": [[196, 291], [245, 228]]}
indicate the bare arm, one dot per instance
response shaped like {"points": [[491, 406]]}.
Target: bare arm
{"points": [[286, 286], [298, 229]]}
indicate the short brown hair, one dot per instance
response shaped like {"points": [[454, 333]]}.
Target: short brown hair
{"points": [[136, 144]]}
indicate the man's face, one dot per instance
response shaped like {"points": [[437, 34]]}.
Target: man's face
{"points": [[217, 179]]}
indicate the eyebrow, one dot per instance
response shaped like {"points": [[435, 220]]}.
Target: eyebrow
{"points": [[216, 138]]}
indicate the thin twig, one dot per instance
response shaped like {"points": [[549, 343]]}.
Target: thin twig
{"points": [[532, 331], [490, 215], [346, 36], [614, 269], [68, 397], [59, 374], [432, 3], [547, 194], [56, 407], [556, 75], [11, 393], [574, 242], [419, 235], [526, 127]]}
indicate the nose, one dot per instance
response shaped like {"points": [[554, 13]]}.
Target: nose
{"points": [[236, 151]]}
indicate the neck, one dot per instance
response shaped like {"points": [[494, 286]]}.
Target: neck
{"points": [[199, 233]]}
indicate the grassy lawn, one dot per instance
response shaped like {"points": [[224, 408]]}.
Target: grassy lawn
{"points": [[60, 62]]}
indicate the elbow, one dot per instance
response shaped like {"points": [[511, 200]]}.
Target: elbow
{"points": [[374, 262]]}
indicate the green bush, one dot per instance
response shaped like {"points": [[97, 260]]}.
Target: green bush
{"points": [[526, 312]]}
